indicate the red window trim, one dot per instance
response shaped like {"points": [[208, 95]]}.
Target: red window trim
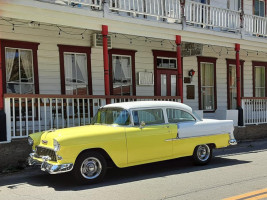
{"points": [[201, 59], [263, 64], [21, 45], [233, 62], [125, 52], [167, 54], [74, 49], [265, 2]]}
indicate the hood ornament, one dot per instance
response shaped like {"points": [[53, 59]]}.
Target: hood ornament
{"points": [[44, 141]]}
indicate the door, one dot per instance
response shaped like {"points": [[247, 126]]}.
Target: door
{"points": [[148, 143], [167, 83]]}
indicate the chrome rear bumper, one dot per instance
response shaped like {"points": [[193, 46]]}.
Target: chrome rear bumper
{"points": [[50, 168]]}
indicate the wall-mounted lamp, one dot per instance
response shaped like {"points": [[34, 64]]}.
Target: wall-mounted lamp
{"points": [[191, 73]]}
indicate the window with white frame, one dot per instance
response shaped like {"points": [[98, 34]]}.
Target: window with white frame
{"points": [[207, 86], [166, 63], [76, 77], [259, 8], [260, 81], [19, 71], [122, 75]]}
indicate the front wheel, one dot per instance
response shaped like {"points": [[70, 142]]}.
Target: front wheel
{"points": [[90, 167], [202, 154]]}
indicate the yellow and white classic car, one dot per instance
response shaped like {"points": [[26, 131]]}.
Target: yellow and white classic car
{"points": [[128, 134]]}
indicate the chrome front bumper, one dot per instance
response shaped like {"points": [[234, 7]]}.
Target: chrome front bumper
{"points": [[50, 168], [232, 142]]}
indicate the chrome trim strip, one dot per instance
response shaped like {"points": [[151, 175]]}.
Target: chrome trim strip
{"points": [[177, 138]]}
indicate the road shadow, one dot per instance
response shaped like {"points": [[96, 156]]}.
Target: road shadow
{"points": [[114, 176]]}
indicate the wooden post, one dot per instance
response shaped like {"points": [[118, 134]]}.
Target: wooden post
{"points": [[238, 79], [105, 57], [1, 79], [179, 67], [238, 86]]}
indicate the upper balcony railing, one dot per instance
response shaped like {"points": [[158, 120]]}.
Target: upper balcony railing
{"points": [[172, 11], [168, 10], [210, 16], [255, 25]]}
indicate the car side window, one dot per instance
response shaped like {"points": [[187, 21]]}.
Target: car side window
{"points": [[149, 116], [176, 115]]}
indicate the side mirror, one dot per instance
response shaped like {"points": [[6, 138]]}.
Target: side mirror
{"points": [[142, 124]]}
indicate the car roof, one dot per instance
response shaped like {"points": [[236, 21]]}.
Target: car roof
{"points": [[149, 104]]}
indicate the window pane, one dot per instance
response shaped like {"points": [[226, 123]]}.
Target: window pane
{"points": [[26, 67], [166, 63], [19, 71], [175, 116], [261, 9], [76, 80], [207, 86], [256, 8], [232, 75], [207, 74], [163, 85], [233, 98], [207, 98], [260, 92], [69, 65], [151, 116], [260, 77], [122, 75], [27, 88], [13, 88], [12, 65], [173, 85], [81, 68]]}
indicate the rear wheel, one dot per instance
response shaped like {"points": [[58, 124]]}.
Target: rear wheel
{"points": [[90, 167], [202, 154]]}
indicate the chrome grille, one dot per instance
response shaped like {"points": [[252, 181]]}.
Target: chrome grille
{"points": [[41, 151]]}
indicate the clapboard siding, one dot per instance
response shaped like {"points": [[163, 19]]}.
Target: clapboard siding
{"points": [[49, 71]]}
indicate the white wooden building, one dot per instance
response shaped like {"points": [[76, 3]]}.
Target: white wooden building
{"points": [[52, 59]]}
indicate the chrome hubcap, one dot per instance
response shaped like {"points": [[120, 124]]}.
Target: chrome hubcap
{"points": [[91, 168], [203, 152]]}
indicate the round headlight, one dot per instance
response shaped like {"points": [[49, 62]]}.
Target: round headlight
{"points": [[56, 145], [30, 141]]}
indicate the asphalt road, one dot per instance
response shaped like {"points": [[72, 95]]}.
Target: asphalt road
{"points": [[233, 171]]}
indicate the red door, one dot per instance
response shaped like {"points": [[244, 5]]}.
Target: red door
{"points": [[167, 82]]}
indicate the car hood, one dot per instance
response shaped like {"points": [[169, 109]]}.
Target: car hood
{"points": [[69, 135]]}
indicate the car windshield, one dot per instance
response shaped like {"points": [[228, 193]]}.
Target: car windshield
{"points": [[117, 116]]}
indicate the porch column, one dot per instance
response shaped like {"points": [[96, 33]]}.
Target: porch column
{"points": [[179, 67], [105, 57], [3, 135], [238, 86], [1, 81]]}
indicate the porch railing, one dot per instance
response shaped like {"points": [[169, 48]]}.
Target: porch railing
{"points": [[254, 110], [210, 16], [161, 9], [27, 114], [255, 25]]}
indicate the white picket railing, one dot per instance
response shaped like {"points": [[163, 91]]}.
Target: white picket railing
{"points": [[255, 25], [27, 114], [254, 110], [93, 4], [206, 15], [161, 9]]}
